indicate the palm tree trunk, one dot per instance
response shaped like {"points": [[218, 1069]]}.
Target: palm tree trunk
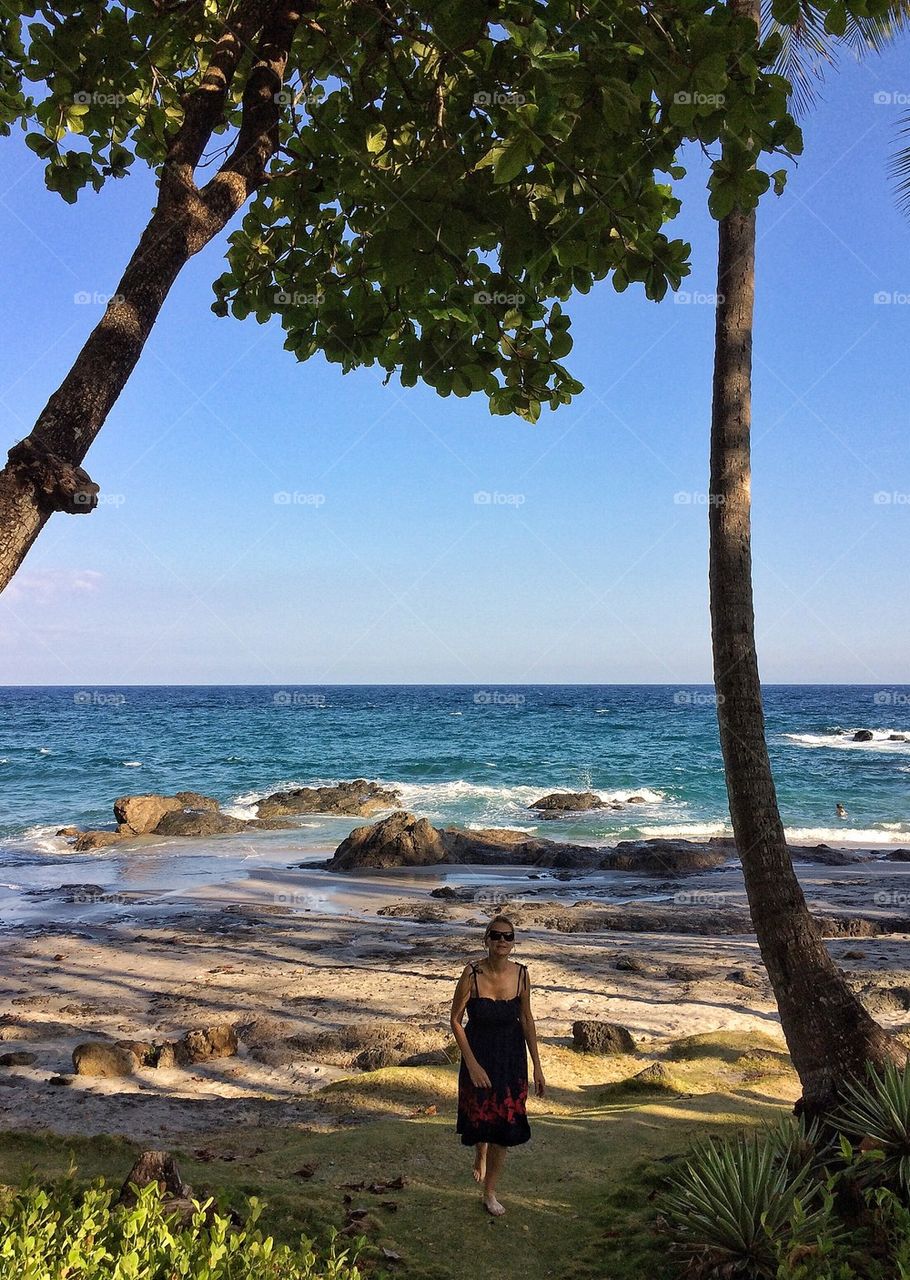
{"points": [[830, 1034], [43, 473]]}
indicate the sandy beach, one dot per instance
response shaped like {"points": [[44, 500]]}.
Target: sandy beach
{"points": [[286, 955]]}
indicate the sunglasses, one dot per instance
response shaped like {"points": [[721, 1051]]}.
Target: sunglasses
{"points": [[496, 936]]}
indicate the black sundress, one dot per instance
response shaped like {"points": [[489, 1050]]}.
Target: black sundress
{"points": [[497, 1040]]}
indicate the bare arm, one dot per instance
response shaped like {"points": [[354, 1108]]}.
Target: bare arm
{"points": [[459, 1001], [528, 1027]]}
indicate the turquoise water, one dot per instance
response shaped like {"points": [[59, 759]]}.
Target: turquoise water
{"points": [[460, 754]]}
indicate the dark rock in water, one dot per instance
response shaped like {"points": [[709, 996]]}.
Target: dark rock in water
{"points": [[454, 895], [899, 855], [195, 800], [572, 801], [88, 840], [401, 840], [70, 892], [602, 1037], [197, 822], [863, 735], [824, 854], [897, 737], [801, 852], [404, 840], [140, 815], [660, 857], [637, 800], [357, 799], [269, 824]]}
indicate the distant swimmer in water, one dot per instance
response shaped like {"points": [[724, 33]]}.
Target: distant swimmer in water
{"points": [[841, 811]]}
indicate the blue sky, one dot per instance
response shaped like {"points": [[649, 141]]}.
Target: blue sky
{"points": [[584, 566]]}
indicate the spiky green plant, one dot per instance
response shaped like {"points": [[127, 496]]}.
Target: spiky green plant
{"points": [[877, 1114], [739, 1208]]}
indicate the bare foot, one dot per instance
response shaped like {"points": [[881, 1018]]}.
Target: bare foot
{"points": [[480, 1166], [492, 1205]]}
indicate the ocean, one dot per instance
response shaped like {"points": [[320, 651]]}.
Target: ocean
{"points": [[466, 755]]}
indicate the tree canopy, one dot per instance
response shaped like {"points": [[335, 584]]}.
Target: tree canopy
{"points": [[442, 178]]}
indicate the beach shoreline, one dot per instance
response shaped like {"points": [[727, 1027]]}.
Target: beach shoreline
{"points": [[287, 952]]}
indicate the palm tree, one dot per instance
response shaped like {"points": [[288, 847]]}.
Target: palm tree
{"points": [[830, 1034]]}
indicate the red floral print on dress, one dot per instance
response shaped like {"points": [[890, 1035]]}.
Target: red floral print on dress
{"points": [[490, 1109]]}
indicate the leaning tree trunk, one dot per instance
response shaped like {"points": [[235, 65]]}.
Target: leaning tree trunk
{"points": [[43, 473], [830, 1034]]}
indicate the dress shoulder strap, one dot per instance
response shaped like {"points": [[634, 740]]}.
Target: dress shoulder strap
{"points": [[474, 976]]}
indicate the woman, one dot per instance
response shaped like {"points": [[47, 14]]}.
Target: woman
{"points": [[493, 1078]]}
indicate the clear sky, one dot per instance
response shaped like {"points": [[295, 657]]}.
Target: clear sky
{"points": [[585, 565]]}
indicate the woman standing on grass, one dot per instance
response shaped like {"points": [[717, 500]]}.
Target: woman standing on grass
{"points": [[493, 1078]]}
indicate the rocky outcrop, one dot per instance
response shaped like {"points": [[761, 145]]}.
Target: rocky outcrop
{"points": [[140, 815], [863, 735], [602, 1037], [664, 857], [198, 822], [186, 813], [357, 799], [404, 840], [88, 840], [401, 840], [574, 801], [100, 1058], [219, 1041]]}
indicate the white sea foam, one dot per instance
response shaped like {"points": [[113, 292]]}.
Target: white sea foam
{"points": [[43, 839], [444, 795], [684, 830], [882, 834], [44, 751], [132, 764], [842, 739], [480, 826]]}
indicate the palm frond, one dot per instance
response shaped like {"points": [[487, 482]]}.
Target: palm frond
{"points": [[809, 52], [899, 167]]}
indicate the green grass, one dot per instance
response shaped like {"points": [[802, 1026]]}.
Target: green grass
{"points": [[577, 1195]]}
